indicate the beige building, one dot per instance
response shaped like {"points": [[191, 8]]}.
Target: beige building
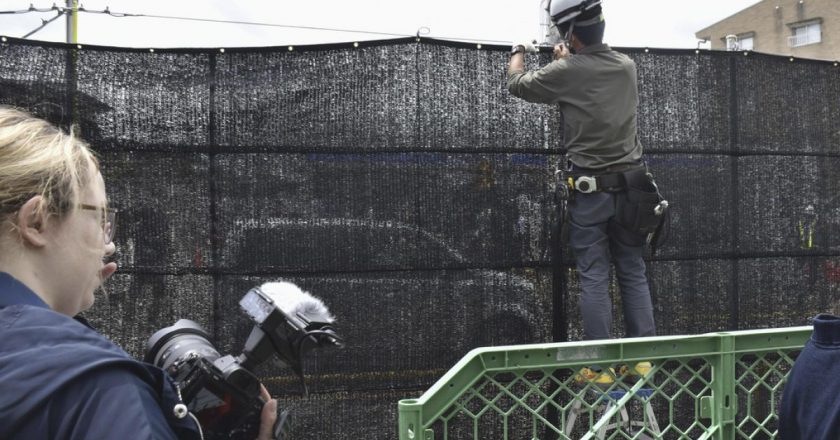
{"points": [[799, 28]]}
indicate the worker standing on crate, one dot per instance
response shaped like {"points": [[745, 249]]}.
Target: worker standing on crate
{"points": [[614, 205]]}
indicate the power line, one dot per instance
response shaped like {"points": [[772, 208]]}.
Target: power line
{"points": [[107, 11], [250, 23], [44, 24], [34, 9]]}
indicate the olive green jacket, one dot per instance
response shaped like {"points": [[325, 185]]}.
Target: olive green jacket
{"points": [[597, 91]]}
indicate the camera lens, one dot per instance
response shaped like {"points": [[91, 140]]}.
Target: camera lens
{"points": [[178, 342]]}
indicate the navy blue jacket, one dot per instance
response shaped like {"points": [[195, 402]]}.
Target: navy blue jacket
{"points": [[810, 408], [60, 379]]}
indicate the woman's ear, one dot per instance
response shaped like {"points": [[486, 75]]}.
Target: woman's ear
{"points": [[32, 222]]}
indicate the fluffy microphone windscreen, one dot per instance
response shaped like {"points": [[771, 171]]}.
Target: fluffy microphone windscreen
{"points": [[292, 300]]}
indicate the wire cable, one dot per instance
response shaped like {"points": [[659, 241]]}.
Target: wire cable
{"points": [[198, 424], [107, 11], [44, 24], [477, 40], [422, 31], [33, 9]]}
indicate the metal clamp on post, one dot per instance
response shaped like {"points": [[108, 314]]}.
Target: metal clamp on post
{"points": [[661, 208], [563, 192], [662, 213]]}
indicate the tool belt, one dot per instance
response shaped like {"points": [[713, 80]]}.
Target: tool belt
{"points": [[640, 207], [611, 179]]}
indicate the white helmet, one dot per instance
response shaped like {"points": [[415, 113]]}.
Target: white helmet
{"points": [[562, 11]]}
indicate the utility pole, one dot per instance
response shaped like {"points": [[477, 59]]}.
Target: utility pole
{"points": [[548, 33], [72, 21], [545, 22], [72, 58]]}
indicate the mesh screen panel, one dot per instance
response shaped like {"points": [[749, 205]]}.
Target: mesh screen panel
{"points": [[402, 183]]}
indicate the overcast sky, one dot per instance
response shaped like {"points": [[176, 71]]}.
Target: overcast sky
{"points": [[630, 23]]}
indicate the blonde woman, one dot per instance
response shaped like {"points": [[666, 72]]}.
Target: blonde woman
{"points": [[60, 379]]}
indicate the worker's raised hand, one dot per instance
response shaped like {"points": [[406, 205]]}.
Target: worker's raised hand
{"points": [[561, 51], [527, 46]]}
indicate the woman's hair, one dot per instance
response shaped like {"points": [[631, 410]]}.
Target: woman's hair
{"points": [[39, 159]]}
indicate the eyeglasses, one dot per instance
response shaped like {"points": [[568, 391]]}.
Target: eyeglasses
{"points": [[109, 219]]}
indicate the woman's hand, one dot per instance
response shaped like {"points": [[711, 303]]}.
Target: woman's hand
{"points": [[268, 416]]}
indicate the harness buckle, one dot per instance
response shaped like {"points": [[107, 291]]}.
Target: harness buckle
{"points": [[586, 184]]}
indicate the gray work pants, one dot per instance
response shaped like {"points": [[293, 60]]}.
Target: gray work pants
{"points": [[594, 238]]}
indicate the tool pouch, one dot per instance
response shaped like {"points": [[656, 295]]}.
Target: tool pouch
{"points": [[636, 206]]}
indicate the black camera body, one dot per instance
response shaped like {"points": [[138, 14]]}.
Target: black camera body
{"points": [[221, 391]]}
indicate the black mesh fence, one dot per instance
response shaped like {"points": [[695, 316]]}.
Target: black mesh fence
{"points": [[402, 183]]}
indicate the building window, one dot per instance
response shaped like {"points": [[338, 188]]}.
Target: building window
{"points": [[742, 41], [805, 34], [745, 43]]}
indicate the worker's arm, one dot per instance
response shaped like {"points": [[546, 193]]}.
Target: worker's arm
{"points": [[546, 85], [517, 63]]}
